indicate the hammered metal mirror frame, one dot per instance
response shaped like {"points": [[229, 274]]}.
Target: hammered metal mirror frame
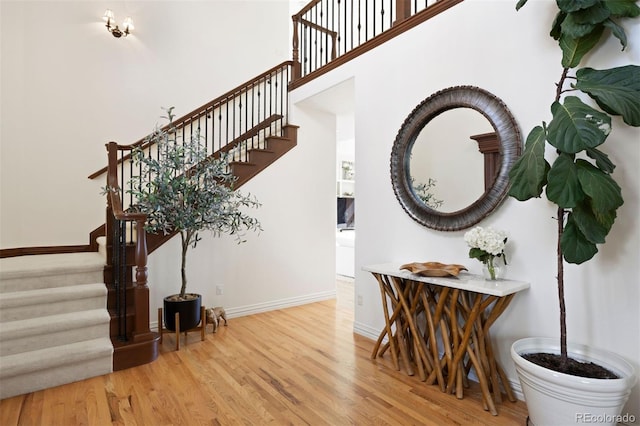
{"points": [[510, 140]]}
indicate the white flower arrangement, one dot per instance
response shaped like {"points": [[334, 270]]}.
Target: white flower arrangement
{"points": [[486, 244]]}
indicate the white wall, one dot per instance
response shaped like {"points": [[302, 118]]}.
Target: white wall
{"points": [[292, 261], [510, 54], [69, 87], [66, 81]]}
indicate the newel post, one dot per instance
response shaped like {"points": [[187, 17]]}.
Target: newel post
{"points": [[141, 289], [403, 10], [297, 68]]}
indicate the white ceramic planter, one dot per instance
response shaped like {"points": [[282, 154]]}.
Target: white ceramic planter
{"points": [[557, 399]]}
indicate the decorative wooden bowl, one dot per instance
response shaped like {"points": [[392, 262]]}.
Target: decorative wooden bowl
{"points": [[433, 269]]}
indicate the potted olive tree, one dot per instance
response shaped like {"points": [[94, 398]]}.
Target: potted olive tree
{"points": [[183, 189], [579, 182]]}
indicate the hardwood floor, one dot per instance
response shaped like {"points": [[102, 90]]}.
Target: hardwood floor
{"points": [[297, 366]]}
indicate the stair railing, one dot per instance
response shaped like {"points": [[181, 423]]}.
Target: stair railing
{"points": [[234, 123], [237, 121], [325, 30], [117, 243]]}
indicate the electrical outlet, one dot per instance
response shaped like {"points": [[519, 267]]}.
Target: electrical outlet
{"points": [[359, 300], [219, 290]]}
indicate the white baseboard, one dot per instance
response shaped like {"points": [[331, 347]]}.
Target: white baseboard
{"points": [[367, 331], [273, 305]]}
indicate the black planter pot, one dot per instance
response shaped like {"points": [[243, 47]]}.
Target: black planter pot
{"points": [[189, 311]]}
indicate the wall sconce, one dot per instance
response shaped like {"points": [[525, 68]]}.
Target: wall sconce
{"points": [[127, 25]]}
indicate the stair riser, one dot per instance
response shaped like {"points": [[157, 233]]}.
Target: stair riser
{"points": [[290, 132], [62, 337], [48, 281], [262, 157], [280, 145], [30, 310], [23, 273], [55, 376]]}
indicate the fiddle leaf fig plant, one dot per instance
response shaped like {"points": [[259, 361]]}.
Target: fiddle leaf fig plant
{"points": [[578, 177], [183, 189]]}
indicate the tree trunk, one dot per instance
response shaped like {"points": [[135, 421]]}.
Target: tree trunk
{"points": [[185, 246], [560, 277], [563, 309]]}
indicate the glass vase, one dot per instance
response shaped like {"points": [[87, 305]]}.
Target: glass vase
{"points": [[494, 269]]}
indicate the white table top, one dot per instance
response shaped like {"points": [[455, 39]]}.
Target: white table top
{"points": [[464, 281]]}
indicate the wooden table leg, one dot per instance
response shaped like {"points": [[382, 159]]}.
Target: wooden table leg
{"points": [[456, 322], [465, 347], [403, 321], [407, 289], [385, 288], [495, 373], [431, 325]]}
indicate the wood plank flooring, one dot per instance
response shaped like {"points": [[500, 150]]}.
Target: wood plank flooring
{"points": [[297, 366]]}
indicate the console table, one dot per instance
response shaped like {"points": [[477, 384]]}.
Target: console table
{"points": [[440, 326]]}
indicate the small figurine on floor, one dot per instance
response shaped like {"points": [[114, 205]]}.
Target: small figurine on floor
{"points": [[214, 315]]}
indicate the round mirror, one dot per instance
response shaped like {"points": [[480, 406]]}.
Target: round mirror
{"points": [[451, 158]]}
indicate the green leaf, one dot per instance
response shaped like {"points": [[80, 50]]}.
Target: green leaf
{"points": [[574, 5], [577, 126], [529, 174], [623, 8], [606, 219], [563, 187], [556, 28], [602, 160], [575, 30], [616, 90], [481, 255], [604, 192], [576, 248], [595, 14], [617, 31], [588, 223], [582, 22], [520, 4], [573, 49]]}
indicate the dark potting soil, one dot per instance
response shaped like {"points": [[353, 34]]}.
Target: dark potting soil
{"points": [[573, 367]]}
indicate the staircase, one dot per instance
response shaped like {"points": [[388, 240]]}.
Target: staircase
{"points": [[59, 322], [54, 325]]}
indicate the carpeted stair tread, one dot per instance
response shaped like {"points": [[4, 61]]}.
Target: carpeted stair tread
{"points": [[54, 322], [13, 365], [50, 270], [19, 305], [52, 330], [54, 366]]}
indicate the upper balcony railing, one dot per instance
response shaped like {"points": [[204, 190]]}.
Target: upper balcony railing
{"points": [[326, 31]]}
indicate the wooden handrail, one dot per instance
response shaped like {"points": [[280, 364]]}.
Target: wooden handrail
{"points": [[187, 118], [234, 143], [254, 131], [305, 9], [332, 34], [113, 188], [320, 28]]}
